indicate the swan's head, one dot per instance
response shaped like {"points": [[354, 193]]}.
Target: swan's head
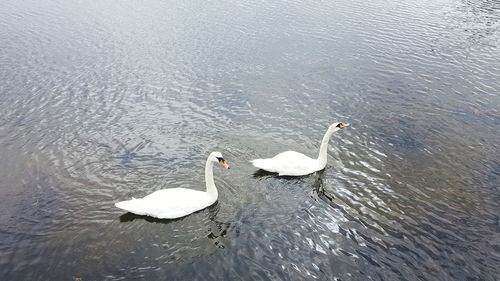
{"points": [[339, 125], [217, 157]]}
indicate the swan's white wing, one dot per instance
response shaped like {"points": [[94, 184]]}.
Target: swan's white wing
{"points": [[289, 163], [264, 164], [168, 203]]}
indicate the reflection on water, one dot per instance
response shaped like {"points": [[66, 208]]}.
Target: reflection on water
{"points": [[109, 100], [217, 230]]}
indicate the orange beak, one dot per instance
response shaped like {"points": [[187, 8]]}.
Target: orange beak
{"points": [[223, 163]]}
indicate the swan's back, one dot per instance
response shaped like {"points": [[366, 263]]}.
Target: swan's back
{"points": [[168, 203], [288, 163]]}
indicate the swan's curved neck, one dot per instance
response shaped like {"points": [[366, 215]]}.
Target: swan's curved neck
{"points": [[324, 147], [209, 179]]}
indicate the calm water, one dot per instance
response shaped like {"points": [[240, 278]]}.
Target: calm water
{"points": [[105, 100]]}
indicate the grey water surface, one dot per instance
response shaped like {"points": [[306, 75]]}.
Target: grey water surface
{"points": [[104, 100]]}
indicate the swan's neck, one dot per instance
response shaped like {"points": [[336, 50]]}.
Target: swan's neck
{"points": [[209, 179], [324, 147]]}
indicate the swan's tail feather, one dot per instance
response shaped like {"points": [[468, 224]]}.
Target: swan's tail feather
{"points": [[133, 206], [264, 164]]}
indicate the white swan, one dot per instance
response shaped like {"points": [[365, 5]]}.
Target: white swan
{"points": [[177, 202], [291, 163]]}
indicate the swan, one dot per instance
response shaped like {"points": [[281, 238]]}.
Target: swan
{"points": [[291, 163], [177, 202]]}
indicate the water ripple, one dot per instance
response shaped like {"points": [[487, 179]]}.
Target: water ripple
{"points": [[105, 101]]}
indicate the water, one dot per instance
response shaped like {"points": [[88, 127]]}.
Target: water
{"points": [[102, 101]]}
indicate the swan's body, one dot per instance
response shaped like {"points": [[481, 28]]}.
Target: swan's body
{"points": [[177, 202], [291, 163], [288, 163], [168, 203]]}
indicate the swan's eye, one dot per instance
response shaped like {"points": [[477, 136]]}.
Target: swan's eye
{"points": [[339, 125], [220, 159]]}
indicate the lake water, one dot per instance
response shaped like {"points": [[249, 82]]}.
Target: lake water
{"points": [[105, 100]]}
